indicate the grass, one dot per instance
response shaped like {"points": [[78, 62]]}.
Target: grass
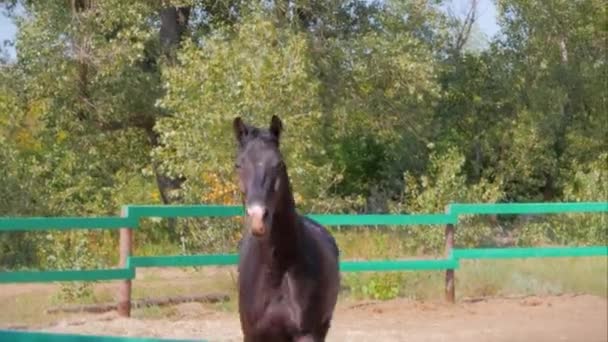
{"points": [[376, 243], [155, 312], [183, 282], [489, 278], [26, 304], [474, 279], [26, 308], [157, 249], [194, 283], [534, 276]]}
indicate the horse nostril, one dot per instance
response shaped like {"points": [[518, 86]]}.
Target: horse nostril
{"points": [[257, 211], [257, 217]]}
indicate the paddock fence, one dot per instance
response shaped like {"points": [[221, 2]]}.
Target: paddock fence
{"points": [[38, 336], [132, 214]]}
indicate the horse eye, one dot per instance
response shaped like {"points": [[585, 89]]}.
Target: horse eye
{"points": [[237, 166]]}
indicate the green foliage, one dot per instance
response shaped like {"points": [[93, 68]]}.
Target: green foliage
{"points": [[361, 157], [70, 113], [381, 286], [77, 250], [589, 183], [17, 250], [250, 72], [380, 115], [379, 93], [445, 182]]}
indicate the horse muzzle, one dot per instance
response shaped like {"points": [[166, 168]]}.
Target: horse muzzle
{"points": [[257, 216]]}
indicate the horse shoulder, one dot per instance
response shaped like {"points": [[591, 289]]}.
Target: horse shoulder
{"points": [[253, 292]]}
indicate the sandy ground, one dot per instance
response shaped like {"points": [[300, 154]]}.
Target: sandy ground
{"points": [[576, 318], [559, 318]]}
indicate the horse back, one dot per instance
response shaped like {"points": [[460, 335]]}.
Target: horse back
{"points": [[321, 250], [324, 238]]}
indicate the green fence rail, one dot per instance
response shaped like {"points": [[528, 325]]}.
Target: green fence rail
{"points": [[35, 336], [184, 260], [537, 252], [133, 214], [141, 211], [398, 265], [345, 266], [204, 210], [65, 223], [66, 275], [383, 220], [527, 208]]}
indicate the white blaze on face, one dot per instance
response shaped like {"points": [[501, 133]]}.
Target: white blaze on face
{"points": [[256, 214]]}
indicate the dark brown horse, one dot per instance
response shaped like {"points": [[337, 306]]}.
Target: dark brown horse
{"points": [[288, 269]]}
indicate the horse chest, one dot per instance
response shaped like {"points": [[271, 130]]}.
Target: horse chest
{"points": [[283, 305]]}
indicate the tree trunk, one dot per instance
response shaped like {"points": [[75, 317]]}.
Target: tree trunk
{"points": [[478, 159], [566, 117], [173, 25]]}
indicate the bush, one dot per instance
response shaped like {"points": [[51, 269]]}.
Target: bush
{"points": [[379, 286], [78, 250], [588, 183], [444, 183]]}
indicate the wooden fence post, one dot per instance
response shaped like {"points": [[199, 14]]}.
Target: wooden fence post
{"points": [[125, 248], [450, 291]]}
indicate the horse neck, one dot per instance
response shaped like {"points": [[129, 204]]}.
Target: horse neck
{"points": [[285, 226]]}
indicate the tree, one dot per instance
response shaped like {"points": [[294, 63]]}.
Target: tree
{"points": [[557, 54], [114, 102]]}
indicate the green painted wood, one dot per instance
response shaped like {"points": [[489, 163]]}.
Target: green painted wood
{"points": [[533, 252], [326, 219], [137, 211], [345, 266], [398, 265], [10, 224], [67, 275], [378, 219], [183, 210], [37, 336], [527, 208], [184, 260], [383, 219]]}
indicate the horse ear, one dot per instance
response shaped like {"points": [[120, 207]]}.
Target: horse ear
{"points": [[276, 126], [240, 129]]}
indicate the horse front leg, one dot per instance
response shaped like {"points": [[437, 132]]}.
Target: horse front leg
{"points": [[317, 336]]}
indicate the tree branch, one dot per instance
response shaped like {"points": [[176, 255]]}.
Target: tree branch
{"points": [[464, 33]]}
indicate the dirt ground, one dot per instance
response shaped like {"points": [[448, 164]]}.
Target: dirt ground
{"points": [[576, 318], [558, 318]]}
